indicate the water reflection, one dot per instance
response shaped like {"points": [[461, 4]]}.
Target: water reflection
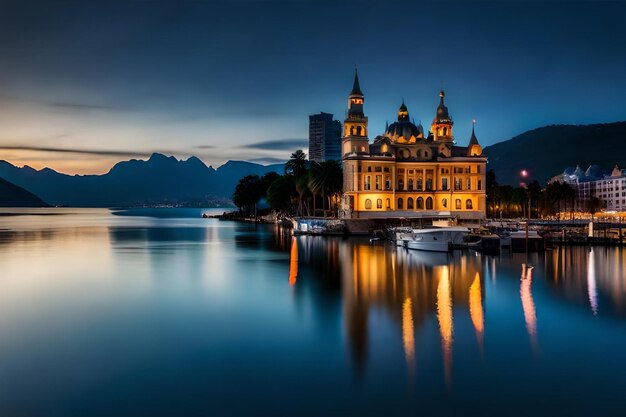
{"points": [[528, 304], [444, 316], [411, 287], [589, 278], [591, 283], [408, 336], [293, 262], [476, 309]]}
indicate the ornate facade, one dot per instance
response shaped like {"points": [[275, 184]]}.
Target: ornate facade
{"points": [[407, 173]]}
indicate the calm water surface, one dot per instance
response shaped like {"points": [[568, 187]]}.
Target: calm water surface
{"points": [[159, 312]]}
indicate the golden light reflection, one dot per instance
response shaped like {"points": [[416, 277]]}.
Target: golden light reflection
{"points": [[408, 334], [293, 263], [476, 309], [444, 316], [528, 304], [592, 290]]}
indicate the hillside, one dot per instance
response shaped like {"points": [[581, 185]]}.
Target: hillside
{"points": [[159, 180], [548, 150], [13, 196]]}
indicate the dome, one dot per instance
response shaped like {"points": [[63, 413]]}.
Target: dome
{"points": [[403, 128]]}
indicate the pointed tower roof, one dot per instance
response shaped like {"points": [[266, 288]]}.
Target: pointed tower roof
{"points": [[356, 88], [473, 139], [474, 148], [403, 106]]}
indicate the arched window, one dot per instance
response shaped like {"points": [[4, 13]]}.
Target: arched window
{"points": [[419, 153], [409, 203], [445, 131], [379, 203], [411, 184], [429, 203], [457, 203], [444, 203], [368, 204], [351, 130], [400, 204], [420, 203], [358, 130], [468, 204], [388, 203]]}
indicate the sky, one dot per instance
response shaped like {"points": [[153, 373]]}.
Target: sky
{"points": [[85, 84]]}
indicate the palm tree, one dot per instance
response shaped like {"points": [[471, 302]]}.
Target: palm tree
{"points": [[296, 165], [326, 179], [302, 187]]}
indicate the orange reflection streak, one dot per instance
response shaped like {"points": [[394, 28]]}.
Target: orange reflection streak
{"points": [[528, 305], [293, 263], [476, 309], [408, 335], [592, 291], [444, 316]]}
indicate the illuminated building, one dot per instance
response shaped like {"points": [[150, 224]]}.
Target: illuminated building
{"points": [[610, 189], [408, 173], [324, 138]]}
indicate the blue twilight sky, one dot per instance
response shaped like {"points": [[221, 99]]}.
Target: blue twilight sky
{"points": [[84, 84]]}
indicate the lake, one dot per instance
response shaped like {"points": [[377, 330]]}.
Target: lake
{"points": [[157, 312]]}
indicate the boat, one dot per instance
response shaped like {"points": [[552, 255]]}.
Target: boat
{"points": [[483, 241], [434, 239]]}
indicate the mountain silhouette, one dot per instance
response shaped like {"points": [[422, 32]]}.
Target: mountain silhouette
{"points": [[549, 150], [13, 196], [159, 180]]}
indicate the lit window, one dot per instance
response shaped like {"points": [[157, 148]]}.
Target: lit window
{"points": [[444, 202], [457, 203], [368, 204], [379, 203]]}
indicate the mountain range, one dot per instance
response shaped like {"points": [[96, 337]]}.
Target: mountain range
{"points": [[543, 152], [549, 150], [159, 180], [13, 196]]}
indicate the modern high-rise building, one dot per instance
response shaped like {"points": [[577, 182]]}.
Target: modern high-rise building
{"points": [[324, 138]]}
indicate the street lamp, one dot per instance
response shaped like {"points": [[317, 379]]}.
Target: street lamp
{"points": [[524, 174]]}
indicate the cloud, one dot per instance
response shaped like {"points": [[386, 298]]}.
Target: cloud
{"points": [[205, 147], [279, 145], [268, 160], [100, 152], [72, 106]]}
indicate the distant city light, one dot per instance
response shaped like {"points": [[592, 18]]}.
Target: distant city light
{"points": [[524, 173]]}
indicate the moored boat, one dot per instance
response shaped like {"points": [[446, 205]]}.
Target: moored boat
{"points": [[435, 239]]}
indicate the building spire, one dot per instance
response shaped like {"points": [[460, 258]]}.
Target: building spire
{"points": [[356, 88], [473, 139]]}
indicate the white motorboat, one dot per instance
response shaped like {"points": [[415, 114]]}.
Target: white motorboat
{"points": [[435, 239]]}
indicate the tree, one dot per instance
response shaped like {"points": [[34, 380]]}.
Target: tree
{"points": [[247, 194], [492, 190], [296, 165], [534, 192], [326, 179], [282, 193], [593, 205]]}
